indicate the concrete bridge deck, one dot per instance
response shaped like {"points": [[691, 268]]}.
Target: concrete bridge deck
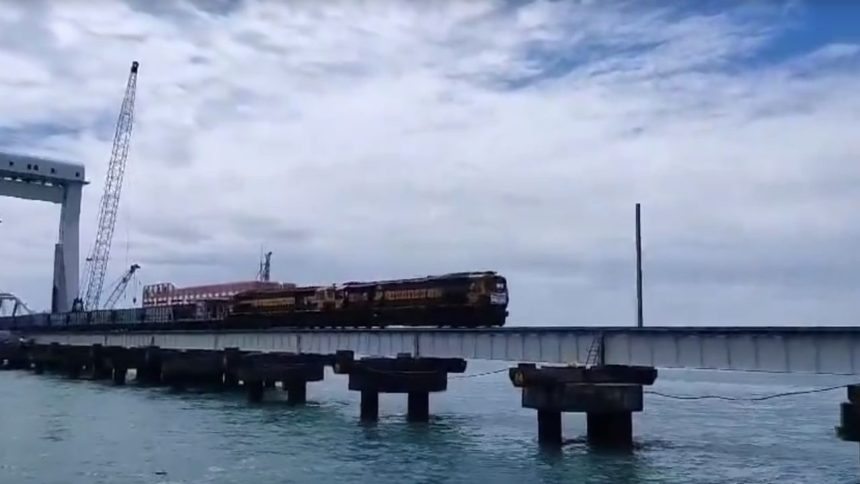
{"points": [[821, 350]]}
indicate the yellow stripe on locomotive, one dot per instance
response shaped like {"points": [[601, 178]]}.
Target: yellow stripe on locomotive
{"points": [[272, 302], [405, 294]]}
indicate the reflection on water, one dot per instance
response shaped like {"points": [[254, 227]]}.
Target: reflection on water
{"points": [[57, 431]]}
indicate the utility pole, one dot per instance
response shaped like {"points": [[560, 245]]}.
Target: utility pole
{"points": [[639, 318]]}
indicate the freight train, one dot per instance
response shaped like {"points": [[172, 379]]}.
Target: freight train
{"points": [[462, 300]]}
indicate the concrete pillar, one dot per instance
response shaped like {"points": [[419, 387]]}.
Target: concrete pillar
{"points": [[418, 407], [216, 382], [230, 380], [119, 375], [70, 213], [96, 363], [149, 371], [608, 395], [174, 382], [59, 292], [100, 372], [369, 405], [231, 363], [149, 375], [72, 370], [610, 429], [255, 391], [549, 427], [297, 392]]}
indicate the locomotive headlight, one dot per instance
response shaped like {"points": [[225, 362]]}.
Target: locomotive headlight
{"points": [[498, 298]]}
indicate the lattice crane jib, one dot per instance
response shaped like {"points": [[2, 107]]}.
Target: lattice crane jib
{"points": [[120, 286], [97, 261]]}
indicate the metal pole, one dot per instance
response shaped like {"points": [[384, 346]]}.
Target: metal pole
{"points": [[639, 318]]}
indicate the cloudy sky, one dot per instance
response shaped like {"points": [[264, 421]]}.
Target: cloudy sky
{"points": [[378, 139]]}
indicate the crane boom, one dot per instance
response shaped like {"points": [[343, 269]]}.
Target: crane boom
{"points": [[119, 288], [100, 254]]}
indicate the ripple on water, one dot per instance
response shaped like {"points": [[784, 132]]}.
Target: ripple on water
{"points": [[75, 432]]}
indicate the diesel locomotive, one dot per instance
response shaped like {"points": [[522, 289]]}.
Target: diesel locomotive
{"points": [[465, 299], [462, 299]]}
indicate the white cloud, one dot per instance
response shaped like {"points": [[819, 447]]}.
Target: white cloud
{"points": [[388, 139]]}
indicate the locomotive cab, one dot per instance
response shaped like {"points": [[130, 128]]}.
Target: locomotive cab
{"points": [[498, 290]]}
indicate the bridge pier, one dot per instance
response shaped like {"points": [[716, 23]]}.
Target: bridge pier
{"points": [[96, 364], [259, 371], [608, 395], [369, 405], [232, 358], [849, 415], [69, 361], [147, 364], [13, 356], [416, 377], [117, 361], [192, 368]]}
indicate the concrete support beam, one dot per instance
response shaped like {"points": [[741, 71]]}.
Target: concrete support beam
{"points": [[13, 355], [607, 395], [585, 397], [259, 371], [416, 377], [194, 368]]}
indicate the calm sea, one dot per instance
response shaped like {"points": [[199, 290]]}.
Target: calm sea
{"points": [[54, 430]]}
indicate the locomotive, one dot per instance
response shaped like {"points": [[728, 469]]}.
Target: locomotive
{"points": [[463, 299]]}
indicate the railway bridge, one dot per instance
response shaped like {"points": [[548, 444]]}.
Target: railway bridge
{"points": [[599, 371], [817, 350]]}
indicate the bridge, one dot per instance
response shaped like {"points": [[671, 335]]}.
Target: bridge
{"points": [[816, 350], [40, 179], [11, 305]]}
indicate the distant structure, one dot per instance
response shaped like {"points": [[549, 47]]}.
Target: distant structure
{"points": [[97, 262], [41, 179], [165, 293], [10, 305], [265, 272]]}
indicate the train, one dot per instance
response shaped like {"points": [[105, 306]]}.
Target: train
{"points": [[457, 300]]}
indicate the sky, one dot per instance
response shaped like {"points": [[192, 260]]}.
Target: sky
{"points": [[388, 139]]}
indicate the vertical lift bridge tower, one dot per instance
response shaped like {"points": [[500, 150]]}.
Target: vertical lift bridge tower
{"points": [[41, 179], [33, 178]]}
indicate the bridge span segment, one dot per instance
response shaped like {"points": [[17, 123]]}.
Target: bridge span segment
{"points": [[821, 350]]}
